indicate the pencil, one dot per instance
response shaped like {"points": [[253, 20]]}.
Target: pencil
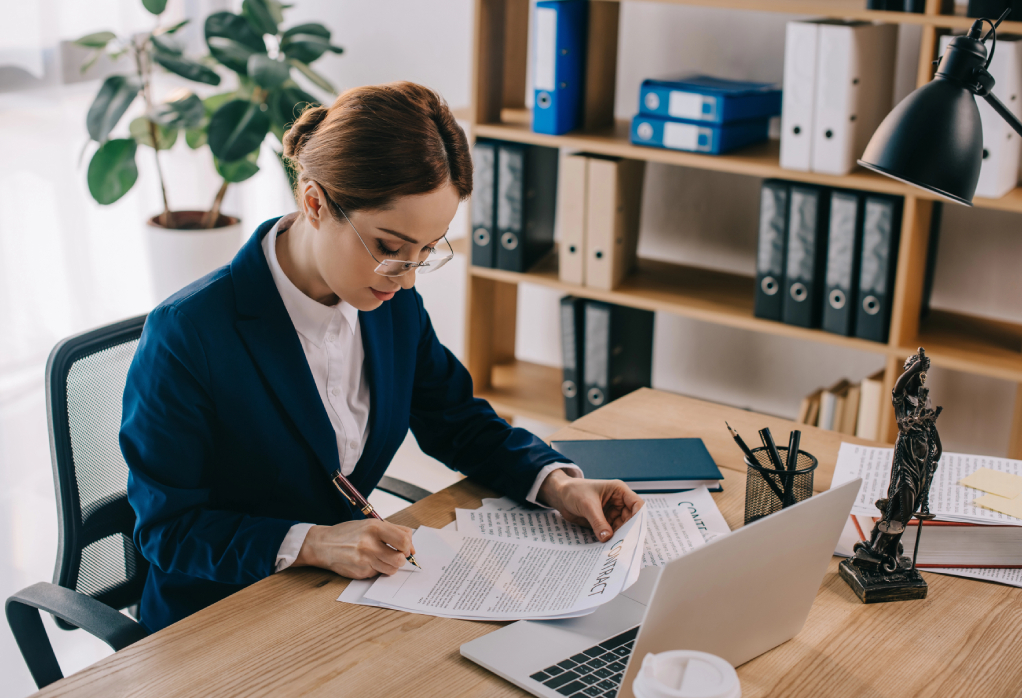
{"points": [[741, 443]]}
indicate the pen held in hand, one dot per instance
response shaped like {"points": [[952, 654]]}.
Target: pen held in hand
{"points": [[359, 502]]}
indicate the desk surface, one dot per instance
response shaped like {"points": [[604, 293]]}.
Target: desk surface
{"points": [[287, 636]]}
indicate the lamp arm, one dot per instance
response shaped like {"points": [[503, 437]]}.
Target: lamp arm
{"points": [[1004, 112]]}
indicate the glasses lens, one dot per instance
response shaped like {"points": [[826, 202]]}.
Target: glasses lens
{"points": [[435, 264], [393, 267]]}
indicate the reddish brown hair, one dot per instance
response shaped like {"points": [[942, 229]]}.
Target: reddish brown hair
{"points": [[380, 142]]}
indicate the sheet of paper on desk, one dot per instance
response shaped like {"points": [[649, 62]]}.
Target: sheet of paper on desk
{"points": [[948, 500], [678, 522], [475, 576], [1011, 577]]}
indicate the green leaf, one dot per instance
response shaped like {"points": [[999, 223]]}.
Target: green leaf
{"points": [[155, 6], [238, 170], [175, 27], [236, 129], [187, 68], [214, 102], [91, 61], [195, 138], [166, 45], [113, 99], [232, 40], [187, 112], [314, 28], [263, 15], [307, 47], [266, 72], [97, 40], [286, 103], [139, 129], [317, 79], [112, 170]]}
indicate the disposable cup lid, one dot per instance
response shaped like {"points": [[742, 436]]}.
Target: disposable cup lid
{"points": [[686, 674]]}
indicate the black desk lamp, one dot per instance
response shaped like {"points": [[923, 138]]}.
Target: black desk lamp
{"points": [[933, 138]]}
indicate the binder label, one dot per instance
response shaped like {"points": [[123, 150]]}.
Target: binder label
{"points": [[681, 136], [546, 48], [685, 105]]}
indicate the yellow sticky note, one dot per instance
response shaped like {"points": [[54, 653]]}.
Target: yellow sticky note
{"points": [[1011, 507], [1003, 485]]}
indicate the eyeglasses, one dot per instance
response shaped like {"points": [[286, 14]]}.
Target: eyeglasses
{"points": [[396, 267]]}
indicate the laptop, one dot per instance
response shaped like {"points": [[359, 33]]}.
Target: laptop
{"points": [[737, 597]]}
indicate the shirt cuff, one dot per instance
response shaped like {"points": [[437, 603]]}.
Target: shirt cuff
{"points": [[569, 468], [291, 546]]}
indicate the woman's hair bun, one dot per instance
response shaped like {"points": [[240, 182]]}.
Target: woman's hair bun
{"points": [[302, 129]]}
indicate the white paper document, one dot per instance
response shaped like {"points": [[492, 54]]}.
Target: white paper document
{"points": [[678, 523], [1011, 577], [948, 500], [472, 576]]}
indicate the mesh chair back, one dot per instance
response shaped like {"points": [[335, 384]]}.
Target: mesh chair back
{"points": [[85, 386]]}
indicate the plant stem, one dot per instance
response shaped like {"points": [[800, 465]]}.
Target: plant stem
{"points": [[210, 219], [144, 67]]}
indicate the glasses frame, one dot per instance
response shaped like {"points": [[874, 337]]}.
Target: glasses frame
{"points": [[395, 267]]}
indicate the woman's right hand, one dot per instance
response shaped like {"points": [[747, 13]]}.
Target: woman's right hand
{"points": [[357, 549]]}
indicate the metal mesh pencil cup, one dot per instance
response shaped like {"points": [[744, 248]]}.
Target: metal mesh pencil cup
{"points": [[768, 490]]}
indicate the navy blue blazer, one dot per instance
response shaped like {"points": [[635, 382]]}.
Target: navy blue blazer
{"points": [[228, 443]]}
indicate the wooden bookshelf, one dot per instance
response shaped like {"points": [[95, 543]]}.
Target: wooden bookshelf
{"points": [[762, 160], [959, 342]]}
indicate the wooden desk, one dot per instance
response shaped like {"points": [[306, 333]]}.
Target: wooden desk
{"points": [[287, 636]]}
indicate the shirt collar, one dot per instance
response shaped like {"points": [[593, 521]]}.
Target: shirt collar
{"points": [[313, 320]]}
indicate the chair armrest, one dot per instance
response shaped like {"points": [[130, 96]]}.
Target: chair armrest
{"points": [[402, 489], [96, 618]]}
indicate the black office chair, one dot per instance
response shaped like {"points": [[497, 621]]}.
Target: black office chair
{"points": [[98, 569]]}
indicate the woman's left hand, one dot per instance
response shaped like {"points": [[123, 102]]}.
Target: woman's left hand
{"points": [[604, 505]]}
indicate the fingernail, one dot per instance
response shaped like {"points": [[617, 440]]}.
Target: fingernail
{"points": [[604, 534]]}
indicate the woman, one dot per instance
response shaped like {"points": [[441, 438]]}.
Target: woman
{"points": [[311, 352]]}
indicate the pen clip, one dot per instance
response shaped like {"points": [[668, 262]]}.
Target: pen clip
{"points": [[340, 488]]}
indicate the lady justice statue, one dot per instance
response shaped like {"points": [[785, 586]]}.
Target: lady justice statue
{"points": [[879, 571]]}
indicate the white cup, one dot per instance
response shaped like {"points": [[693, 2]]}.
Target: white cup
{"points": [[686, 674]]}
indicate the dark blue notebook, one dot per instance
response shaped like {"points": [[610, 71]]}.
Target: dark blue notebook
{"points": [[646, 465]]}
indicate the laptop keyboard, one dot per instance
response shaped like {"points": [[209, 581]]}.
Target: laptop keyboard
{"points": [[593, 672]]}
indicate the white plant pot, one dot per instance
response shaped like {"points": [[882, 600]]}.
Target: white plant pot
{"points": [[179, 257]]}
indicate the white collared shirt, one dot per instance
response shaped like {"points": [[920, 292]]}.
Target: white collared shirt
{"points": [[331, 338]]}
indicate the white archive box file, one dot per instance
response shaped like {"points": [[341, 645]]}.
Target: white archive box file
{"points": [[854, 89], [571, 217], [1002, 147], [800, 44]]}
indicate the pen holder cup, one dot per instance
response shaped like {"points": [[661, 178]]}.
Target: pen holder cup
{"points": [[768, 490]]}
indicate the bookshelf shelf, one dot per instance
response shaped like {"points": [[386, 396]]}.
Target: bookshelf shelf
{"points": [[712, 296], [525, 389], [757, 161], [841, 9], [971, 344]]}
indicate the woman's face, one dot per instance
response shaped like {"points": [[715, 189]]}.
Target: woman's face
{"points": [[405, 231]]}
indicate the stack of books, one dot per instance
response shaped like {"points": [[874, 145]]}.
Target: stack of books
{"points": [[845, 407]]}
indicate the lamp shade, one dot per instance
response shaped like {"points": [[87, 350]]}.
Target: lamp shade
{"points": [[933, 139]]}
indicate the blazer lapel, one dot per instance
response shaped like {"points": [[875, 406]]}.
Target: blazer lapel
{"points": [[378, 346], [266, 328]]}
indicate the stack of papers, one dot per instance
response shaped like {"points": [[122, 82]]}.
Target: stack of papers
{"points": [[951, 500], [508, 562]]}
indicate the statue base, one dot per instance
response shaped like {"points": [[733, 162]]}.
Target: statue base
{"points": [[880, 587]]}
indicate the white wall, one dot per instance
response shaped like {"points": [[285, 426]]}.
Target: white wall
{"points": [[700, 218]]}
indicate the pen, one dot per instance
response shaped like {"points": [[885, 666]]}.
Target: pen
{"points": [[359, 502], [771, 447], [793, 442], [741, 443]]}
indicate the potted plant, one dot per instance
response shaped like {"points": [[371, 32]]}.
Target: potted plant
{"points": [[184, 245]]}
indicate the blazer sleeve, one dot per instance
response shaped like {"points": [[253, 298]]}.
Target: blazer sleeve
{"points": [[463, 431], [167, 439]]}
